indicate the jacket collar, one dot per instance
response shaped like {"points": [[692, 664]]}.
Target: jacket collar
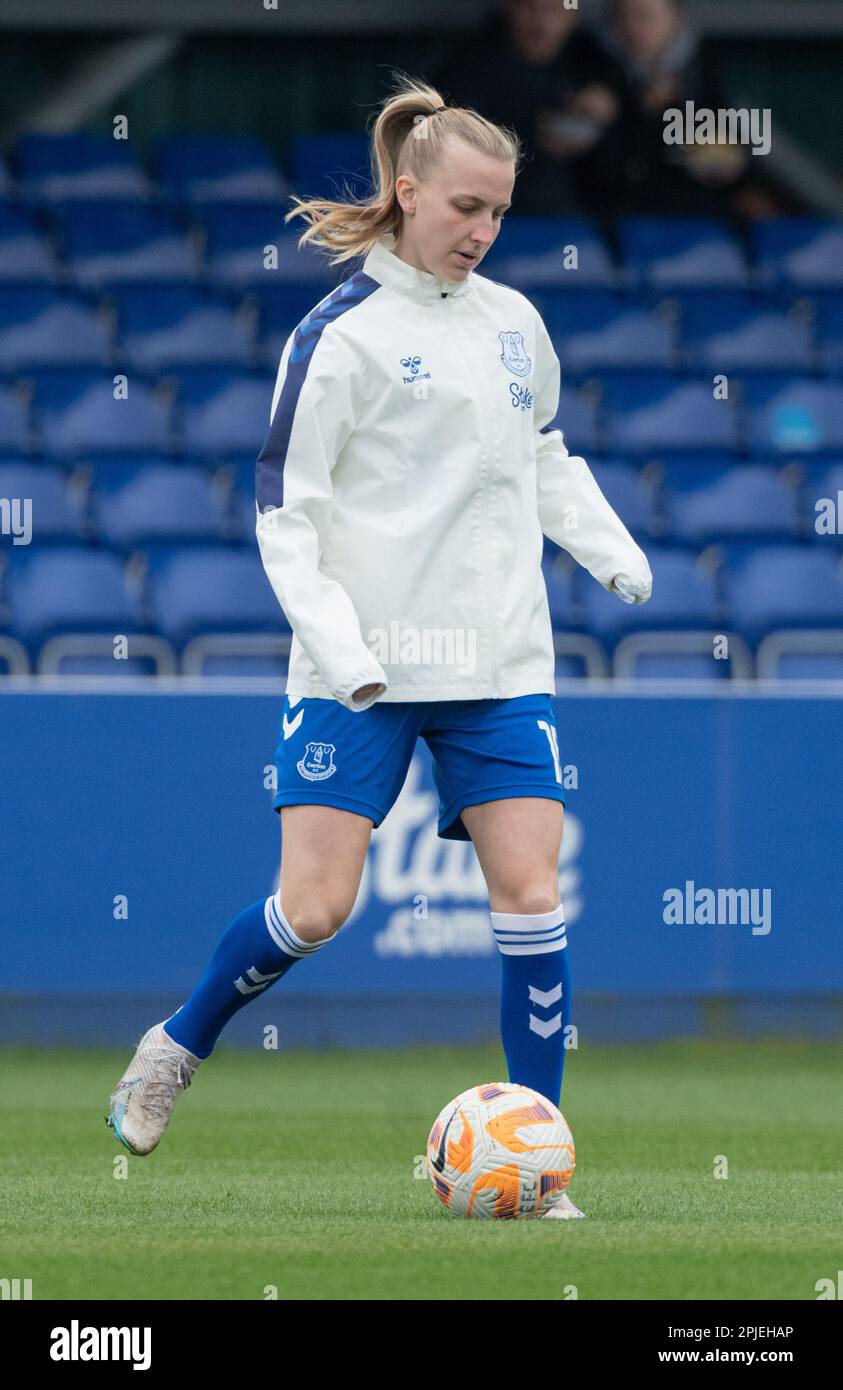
{"points": [[388, 269]]}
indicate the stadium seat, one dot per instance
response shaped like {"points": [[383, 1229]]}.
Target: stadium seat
{"points": [[281, 308], [59, 168], [829, 329], [647, 413], [14, 658], [211, 590], [598, 330], [77, 414], [217, 168], [325, 165], [536, 255], [26, 252], [675, 253], [792, 417], [576, 417], [801, 655], [180, 326], [801, 253], [684, 595], [93, 654], [53, 591], [58, 509], [236, 238], [40, 327], [730, 331], [681, 656], [821, 486], [239, 654], [710, 502], [221, 413], [578, 655], [111, 243], [783, 586], [556, 569], [147, 503], [15, 432], [630, 491]]}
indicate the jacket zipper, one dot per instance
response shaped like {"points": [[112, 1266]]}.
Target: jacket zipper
{"points": [[490, 606]]}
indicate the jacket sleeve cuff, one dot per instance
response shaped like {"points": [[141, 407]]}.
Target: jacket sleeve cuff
{"points": [[345, 693]]}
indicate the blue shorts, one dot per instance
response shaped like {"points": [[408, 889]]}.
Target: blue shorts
{"points": [[483, 750]]}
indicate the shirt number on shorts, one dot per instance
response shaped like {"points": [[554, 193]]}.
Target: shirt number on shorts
{"points": [[554, 746]]}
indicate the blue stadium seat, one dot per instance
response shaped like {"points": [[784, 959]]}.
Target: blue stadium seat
{"points": [[576, 417], [211, 590], [58, 509], [731, 331], [679, 252], [77, 414], [631, 492], [26, 252], [800, 253], [52, 591], [829, 326], [221, 413], [793, 417], [685, 595], [217, 168], [598, 330], [281, 309], [715, 502], [180, 326], [111, 243], [239, 654], [535, 253], [40, 327], [15, 432], [148, 503], [820, 487], [801, 654], [648, 413], [684, 656], [235, 240], [240, 474], [59, 168], [557, 578], [325, 165], [784, 586]]}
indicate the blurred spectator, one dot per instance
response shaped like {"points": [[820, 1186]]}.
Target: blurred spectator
{"points": [[651, 61], [521, 69]]}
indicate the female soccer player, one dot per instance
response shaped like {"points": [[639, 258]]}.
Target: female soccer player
{"points": [[410, 469]]}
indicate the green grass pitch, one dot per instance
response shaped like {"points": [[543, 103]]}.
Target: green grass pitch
{"points": [[296, 1171]]}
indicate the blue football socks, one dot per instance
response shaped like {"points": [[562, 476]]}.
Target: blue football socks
{"points": [[535, 997], [257, 949]]}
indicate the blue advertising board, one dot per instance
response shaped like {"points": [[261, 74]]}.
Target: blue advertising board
{"points": [[701, 852]]}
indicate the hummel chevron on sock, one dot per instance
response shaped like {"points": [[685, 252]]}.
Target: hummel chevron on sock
{"points": [[535, 997], [257, 949]]}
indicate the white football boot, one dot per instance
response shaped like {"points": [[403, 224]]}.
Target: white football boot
{"points": [[148, 1089], [563, 1209]]}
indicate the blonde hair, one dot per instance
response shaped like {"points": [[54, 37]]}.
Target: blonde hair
{"points": [[407, 138]]}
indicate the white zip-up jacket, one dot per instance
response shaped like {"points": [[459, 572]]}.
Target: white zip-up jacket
{"points": [[409, 472]]}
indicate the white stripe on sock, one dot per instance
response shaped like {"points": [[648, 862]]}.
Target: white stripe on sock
{"points": [[529, 934], [282, 933]]}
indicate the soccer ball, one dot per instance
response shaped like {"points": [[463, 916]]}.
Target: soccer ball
{"points": [[500, 1151]]}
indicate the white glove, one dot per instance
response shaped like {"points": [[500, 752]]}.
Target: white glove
{"points": [[630, 591]]}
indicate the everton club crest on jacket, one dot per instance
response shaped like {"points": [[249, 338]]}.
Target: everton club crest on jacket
{"points": [[409, 472]]}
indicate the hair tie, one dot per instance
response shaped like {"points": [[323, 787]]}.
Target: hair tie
{"points": [[438, 108]]}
